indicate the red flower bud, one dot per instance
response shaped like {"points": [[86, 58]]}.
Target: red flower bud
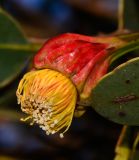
{"points": [[82, 58]]}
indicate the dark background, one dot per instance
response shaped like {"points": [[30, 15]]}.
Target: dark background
{"points": [[90, 137]]}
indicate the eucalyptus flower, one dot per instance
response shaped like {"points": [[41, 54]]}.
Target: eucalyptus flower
{"points": [[67, 68]]}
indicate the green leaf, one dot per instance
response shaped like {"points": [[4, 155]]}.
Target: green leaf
{"points": [[116, 97], [13, 51], [8, 96], [131, 15], [10, 32], [11, 64]]}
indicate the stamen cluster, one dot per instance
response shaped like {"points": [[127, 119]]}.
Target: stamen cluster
{"points": [[49, 98]]}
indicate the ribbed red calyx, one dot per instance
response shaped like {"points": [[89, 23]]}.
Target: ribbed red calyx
{"points": [[82, 58]]}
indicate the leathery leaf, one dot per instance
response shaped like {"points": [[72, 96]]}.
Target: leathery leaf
{"points": [[116, 96]]}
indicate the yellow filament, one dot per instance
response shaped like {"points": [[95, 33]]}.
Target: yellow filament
{"points": [[49, 98]]}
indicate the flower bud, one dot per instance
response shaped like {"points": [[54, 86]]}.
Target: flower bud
{"points": [[82, 58]]}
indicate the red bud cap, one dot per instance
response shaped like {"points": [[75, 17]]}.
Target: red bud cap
{"points": [[83, 59]]}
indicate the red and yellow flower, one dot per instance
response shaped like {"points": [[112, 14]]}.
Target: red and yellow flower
{"points": [[67, 68]]}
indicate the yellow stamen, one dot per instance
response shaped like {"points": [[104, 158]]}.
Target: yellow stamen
{"points": [[49, 98], [25, 119]]}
